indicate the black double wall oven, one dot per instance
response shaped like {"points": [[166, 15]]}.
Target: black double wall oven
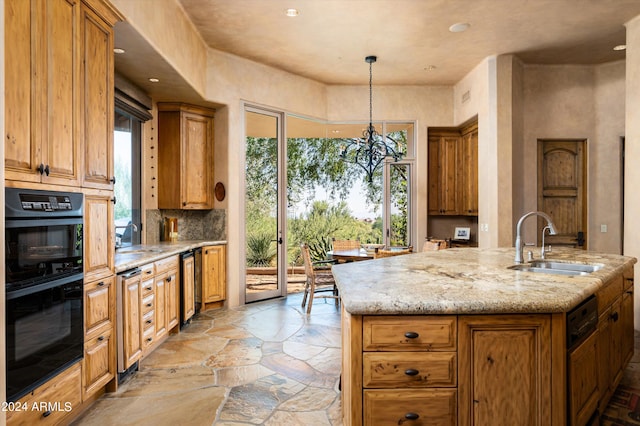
{"points": [[44, 286]]}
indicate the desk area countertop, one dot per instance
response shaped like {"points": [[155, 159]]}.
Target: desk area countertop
{"points": [[134, 256], [468, 281]]}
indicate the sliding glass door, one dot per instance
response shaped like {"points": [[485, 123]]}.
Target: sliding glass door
{"points": [[265, 259]]}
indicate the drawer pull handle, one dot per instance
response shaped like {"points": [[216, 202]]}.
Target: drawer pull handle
{"points": [[614, 316], [101, 284], [100, 339], [46, 413], [168, 279], [149, 339], [411, 335], [148, 321], [148, 288], [411, 372], [149, 305], [412, 416]]}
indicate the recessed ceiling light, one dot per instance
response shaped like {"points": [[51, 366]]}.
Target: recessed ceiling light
{"points": [[620, 47], [292, 12], [459, 27], [118, 50], [430, 68], [154, 80]]}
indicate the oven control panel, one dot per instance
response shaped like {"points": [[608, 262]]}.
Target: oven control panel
{"points": [[45, 203]]}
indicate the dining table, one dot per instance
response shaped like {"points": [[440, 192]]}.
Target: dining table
{"points": [[351, 255]]}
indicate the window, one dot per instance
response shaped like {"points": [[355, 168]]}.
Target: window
{"points": [[126, 150]]}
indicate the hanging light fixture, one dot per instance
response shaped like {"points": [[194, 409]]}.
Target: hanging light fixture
{"points": [[369, 151]]}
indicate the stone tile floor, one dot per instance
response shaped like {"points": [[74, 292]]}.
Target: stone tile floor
{"points": [[266, 363]]}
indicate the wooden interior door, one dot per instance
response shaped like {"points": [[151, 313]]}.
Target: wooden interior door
{"points": [[562, 166]]}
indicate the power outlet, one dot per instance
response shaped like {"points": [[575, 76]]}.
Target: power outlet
{"points": [[603, 228], [484, 227]]}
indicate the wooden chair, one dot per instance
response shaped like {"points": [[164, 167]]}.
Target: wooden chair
{"points": [[345, 244], [435, 245], [319, 279], [388, 253]]}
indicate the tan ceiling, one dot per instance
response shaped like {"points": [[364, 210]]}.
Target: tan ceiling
{"points": [[329, 39]]}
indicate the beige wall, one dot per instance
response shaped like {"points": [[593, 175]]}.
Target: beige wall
{"points": [[632, 171]]}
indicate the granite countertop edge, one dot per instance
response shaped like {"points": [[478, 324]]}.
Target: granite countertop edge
{"points": [[135, 256], [468, 281]]}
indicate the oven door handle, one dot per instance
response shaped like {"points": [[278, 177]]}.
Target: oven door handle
{"points": [[13, 294], [131, 273], [30, 222]]}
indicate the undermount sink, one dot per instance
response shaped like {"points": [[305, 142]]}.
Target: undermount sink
{"points": [[555, 267]]}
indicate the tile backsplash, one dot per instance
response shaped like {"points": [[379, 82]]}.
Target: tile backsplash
{"points": [[192, 224]]}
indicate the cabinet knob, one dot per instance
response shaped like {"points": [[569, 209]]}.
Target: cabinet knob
{"points": [[412, 416], [40, 169], [411, 372], [101, 284], [149, 305], [184, 203], [148, 321], [149, 339], [46, 170], [100, 339], [411, 335], [168, 279], [113, 180], [46, 413], [114, 201], [614, 316], [148, 288]]}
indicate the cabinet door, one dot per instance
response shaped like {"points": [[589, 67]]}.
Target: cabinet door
{"points": [[188, 275], [97, 100], [99, 361], [99, 243], [443, 170], [21, 145], [197, 162], [434, 176], [604, 357], [173, 297], [61, 145], [161, 305], [213, 274], [131, 321], [617, 333], [504, 370], [626, 312], [583, 381], [99, 305], [468, 179]]}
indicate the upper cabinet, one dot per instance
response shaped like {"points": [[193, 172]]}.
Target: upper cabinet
{"points": [[453, 171], [96, 105], [185, 157], [57, 62]]}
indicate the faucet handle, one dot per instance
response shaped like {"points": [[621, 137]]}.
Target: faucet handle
{"points": [[530, 244]]}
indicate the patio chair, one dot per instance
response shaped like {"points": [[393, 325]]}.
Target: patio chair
{"points": [[319, 279], [339, 245], [388, 253]]}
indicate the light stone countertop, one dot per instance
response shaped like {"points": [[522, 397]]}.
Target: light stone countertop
{"points": [[468, 281], [135, 256]]}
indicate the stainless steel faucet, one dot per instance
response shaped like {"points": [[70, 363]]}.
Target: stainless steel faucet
{"points": [[519, 244], [543, 250]]}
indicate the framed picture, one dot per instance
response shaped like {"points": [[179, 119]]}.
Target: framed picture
{"points": [[462, 233]]}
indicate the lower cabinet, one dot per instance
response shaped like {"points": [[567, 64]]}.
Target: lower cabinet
{"points": [[583, 391], [149, 308], [99, 363], [214, 282], [53, 402]]}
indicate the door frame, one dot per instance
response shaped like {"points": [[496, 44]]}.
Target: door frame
{"points": [[281, 222]]}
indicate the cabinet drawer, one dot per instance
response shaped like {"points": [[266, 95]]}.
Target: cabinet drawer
{"points": [[147, 336], [99, 361], [628, 278], [147, 320], [61, 395], [147, 304], [609, 292], [398, 333], [409, 369], [147, 287], [433, 407], [166, 264]]}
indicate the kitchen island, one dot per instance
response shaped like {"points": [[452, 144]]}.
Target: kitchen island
{"points": [[456, 337]]}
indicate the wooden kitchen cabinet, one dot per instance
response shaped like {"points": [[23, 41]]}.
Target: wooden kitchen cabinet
{"points": [[129, 319], [453, 171], [188, 285], [443, 173], [99, 235], [583, 382], [97, 94], [504, 368], [468, 171], [99, 363], [185, 157], [214, 276], [58, 89], [41, 98]]}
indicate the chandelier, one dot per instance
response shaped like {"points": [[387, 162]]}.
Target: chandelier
{"points": [[371, 149]]}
